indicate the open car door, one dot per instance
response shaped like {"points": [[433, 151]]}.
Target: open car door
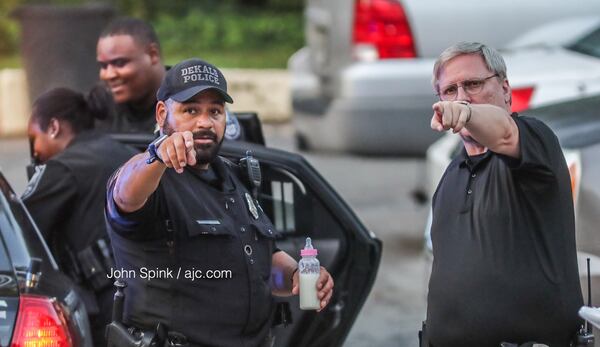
{"points": [[302, 204]]}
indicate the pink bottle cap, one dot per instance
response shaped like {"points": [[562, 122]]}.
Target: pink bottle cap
{"points": [[308, 249]]}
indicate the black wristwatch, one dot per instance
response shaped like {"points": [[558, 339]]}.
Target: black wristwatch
{"points": [[152, 147]]}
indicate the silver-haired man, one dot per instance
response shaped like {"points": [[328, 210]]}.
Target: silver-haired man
{"points": [[503, 233]]}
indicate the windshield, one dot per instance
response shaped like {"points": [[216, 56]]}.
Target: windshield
{"points": [[589, 45], [576, 123], [12, 236]]}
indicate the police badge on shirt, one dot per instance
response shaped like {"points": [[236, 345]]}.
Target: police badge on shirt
{"points": [[251, 206]]}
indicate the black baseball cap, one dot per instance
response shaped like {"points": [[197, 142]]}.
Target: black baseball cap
{"points": [[189, 78]]}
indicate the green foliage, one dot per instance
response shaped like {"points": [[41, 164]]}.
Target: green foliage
{"points": [[8, 42], [230, 33], [151, 9], [8, 28], [255, 59], [240, 32]]}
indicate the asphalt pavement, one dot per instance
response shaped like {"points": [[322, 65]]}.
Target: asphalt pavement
{"points": [[380, 190]]}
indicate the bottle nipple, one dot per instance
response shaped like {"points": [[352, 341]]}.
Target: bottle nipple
{"points": [[308, 244], [308, 250]]}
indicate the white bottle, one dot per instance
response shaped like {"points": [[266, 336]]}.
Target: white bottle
{"points": [[309, 270]]}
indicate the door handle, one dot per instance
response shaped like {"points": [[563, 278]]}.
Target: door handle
{"points": [[336, 310]]}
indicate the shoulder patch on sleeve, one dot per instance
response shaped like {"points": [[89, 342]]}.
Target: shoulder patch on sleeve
{"points": [[34, 181], [233, 129]]}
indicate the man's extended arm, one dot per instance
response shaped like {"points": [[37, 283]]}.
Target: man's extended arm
{"points": [[489, 125], [136, 180]]}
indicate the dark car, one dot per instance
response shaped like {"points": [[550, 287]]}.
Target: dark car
{"points": [[39, 305], [302, 204]]}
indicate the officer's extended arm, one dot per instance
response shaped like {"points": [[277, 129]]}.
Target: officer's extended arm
{"points": [[137, 180]]}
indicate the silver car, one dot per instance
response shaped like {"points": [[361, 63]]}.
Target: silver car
{"points": [[362, 83]]}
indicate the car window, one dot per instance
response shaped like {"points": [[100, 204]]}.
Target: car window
{"points": [[19, 234], [589, 45], [297, 212], [280, 199], [5, 265], [12, 236]]}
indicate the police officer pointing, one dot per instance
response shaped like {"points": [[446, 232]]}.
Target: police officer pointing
{"points": [[181, 207]]}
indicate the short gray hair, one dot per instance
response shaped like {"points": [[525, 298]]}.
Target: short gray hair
{"points": [[492, 59]]}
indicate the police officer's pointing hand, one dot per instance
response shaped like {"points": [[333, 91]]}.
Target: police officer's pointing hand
{"points": [[324, 287], [177, 151]]}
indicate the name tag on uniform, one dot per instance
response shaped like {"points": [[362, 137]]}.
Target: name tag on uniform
{"points": [[208, 222]]}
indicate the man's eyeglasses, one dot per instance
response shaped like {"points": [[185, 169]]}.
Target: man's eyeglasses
{"points": [[471, 87]]}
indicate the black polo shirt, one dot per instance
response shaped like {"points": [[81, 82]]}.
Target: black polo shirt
{"points": [[197, 221], [503, 234]]}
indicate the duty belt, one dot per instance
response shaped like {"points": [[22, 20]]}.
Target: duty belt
{"points": [[118, 335]]}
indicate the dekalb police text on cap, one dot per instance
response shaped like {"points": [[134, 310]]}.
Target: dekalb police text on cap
{"points": [[200, 73]]}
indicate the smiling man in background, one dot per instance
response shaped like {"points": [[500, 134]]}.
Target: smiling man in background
{"points": [[129, 56]]}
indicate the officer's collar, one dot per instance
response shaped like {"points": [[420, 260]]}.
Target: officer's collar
{"points": [[84, 136], [224, 182], [219, 166]]}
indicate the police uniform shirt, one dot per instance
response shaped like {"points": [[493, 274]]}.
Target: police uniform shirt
{"points": [[189, 224], [503, 236], [126, 118], [65, 196]]}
